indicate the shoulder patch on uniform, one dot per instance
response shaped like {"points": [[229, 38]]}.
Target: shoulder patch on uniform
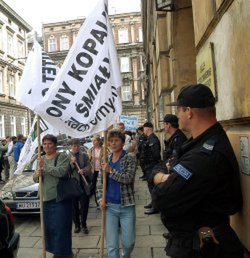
{"points": [[182, 171], [208, 146]]}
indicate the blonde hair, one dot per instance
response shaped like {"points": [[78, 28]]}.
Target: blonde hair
{"points": [[98, 138]]}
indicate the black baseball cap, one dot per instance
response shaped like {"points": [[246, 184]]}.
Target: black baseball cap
{"points": [[148, 124], [195, 96], [172, 119]]}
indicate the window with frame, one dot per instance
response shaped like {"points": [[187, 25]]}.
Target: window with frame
{"points": [[1, 37], [11, 85], [64, 42], [1, 82], [20, 49], [124, 64], [23, 125], [13, 125], [141, 63], [140, 39], [10, 44], [52, 44], [122, 36], [126, 93], [2, 129]]}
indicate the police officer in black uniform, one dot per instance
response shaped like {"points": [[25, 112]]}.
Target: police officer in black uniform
{"points": [[177, 137], [151, 156], [203, 187]]}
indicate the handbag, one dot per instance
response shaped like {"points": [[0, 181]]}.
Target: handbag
{"points": [[68, 187]]}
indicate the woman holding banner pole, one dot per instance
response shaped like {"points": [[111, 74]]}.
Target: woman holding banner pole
{"points": [[120, 202], [57, 216]]}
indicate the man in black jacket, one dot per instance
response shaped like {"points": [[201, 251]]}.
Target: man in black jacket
{"points": [[151, 152], [177, 137], [203, 187]]}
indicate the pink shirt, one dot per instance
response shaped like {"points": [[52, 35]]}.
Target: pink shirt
{"points": [[96, 158]]}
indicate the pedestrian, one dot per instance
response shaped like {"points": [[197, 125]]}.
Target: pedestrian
{"points": [[133, 144], [57, 215], [173, 144], [3, 149], [80, 204], [18, 147], [9, 146], [141, 140], [203, 187], [95, 156], [127, 144], [151, 157], [120, 201], [10, 156]]}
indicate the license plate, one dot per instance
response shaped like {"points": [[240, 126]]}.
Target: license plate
{"points": [[28, 205]]}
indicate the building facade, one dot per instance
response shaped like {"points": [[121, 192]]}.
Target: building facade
{"points": [[14, 118], [58, 38], [190, 41]]}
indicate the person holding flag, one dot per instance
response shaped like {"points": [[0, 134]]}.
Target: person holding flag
{"points": [[57, 215], [120, 201]]}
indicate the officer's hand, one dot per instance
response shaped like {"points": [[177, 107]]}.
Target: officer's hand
{"points": [[160, 178]]}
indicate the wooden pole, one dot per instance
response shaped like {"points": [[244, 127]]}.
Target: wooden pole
{"points": [[104, 179], [41, 188]]}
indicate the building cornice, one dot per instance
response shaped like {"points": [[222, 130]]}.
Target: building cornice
{"points": [[14, 16]]}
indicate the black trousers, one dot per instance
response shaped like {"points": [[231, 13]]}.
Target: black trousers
{"points": [[93, 185], [80, 210]]}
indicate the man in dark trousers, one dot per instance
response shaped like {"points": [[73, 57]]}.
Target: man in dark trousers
{"points": [[203, 187], [151, 156], [81, 204], [141, 139]]}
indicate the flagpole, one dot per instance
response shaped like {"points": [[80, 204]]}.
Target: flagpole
{"points": [[104, 180], [41, 188]]}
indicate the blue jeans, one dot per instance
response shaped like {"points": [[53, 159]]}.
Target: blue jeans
{"points": [[115, 213]]}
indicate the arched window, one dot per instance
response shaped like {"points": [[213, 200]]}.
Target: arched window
{"points": [[52, 44], [64, 42]]}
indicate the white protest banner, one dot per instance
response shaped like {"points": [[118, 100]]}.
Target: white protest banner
{"points": [[130, 122], [31, 143], [83, 99], [39, 73]]}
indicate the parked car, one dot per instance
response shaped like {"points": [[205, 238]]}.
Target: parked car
{"points": [[21, 193], [9, 239]]}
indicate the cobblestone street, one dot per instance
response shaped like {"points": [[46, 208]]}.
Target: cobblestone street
{"points": [[149, 229]]}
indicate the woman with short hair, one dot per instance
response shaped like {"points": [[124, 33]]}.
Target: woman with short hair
{"points": [[57, 215], [120, 201]]}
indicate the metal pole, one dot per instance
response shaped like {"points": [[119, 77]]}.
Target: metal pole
{"points": [[41, 188]]}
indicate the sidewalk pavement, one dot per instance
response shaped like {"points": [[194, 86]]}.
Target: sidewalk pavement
{"points": [[149, 229]]}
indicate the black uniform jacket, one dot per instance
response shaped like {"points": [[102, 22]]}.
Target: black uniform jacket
{"points": [[151, 151], [203, 188], [173, 144]]}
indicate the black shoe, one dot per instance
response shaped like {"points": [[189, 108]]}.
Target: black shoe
{"points": [[151, 211], [148, 206], [77, 230], [85, 230]]}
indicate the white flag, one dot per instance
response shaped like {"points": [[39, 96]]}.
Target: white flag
{"points": [[83, 99], [31, 143], [39, 73]]}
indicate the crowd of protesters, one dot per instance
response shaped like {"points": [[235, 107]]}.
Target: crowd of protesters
{"points": [[10, 149], [195, 186]]}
